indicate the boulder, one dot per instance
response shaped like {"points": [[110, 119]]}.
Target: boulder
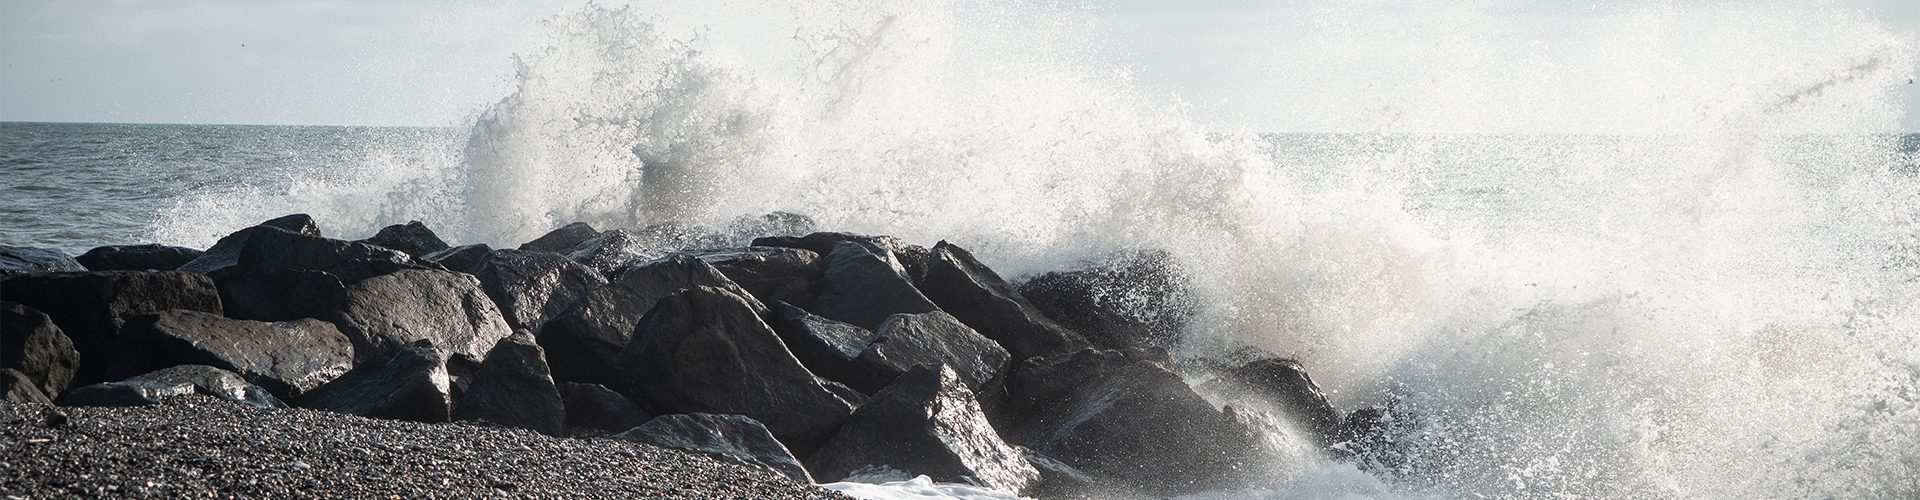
{"points": [[271, 249], [281, 294], [1376, 437], [388, 313], [148, 257], [514, 389], [771, 274], [91, 307], [562, 240], [152, 387], [126, 393], [609, 252], [413, 238], [16, 387], [1137, 300], [706, 350], [912, 258], [20, 260], [925, 423], [410, 384], [1281, 384], [461, 258], [593, 408], [532, 288], [970, 291], [584, 341], [730, 438], [225, 253], [31, 344], [863, 284], [826, 347], [774, 224], [930, 339], [287, 358]]}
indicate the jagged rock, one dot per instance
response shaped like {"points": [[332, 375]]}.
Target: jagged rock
{"points": [[912, 258], [1059, 480], [584, 341], [853, 398], [271, 249], [706, 350], [826, 347], [16, 387], [154, 257], [413, 238], [594, 407], [925, 423], [90, 307], [286, 358], [225, 253], [1138, 300], [609, 252], [930, 339], [730, 438], [31, 344], [461, 258], [864, 284], [411, 384], [1284, 385], [970, 291], [19, 260], [531, 288], [152, 387], [387, 313], [562, 240], [281, 294], [772, 224], [514, 389], [1373, 438], [771, 274], [126, 393]]}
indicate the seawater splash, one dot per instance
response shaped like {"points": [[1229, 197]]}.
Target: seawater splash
{"points": [[1699, 285]]}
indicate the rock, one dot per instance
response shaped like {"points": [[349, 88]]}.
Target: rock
{"points": [[730, 438], [33, 346], [774, 224], [1059, 480], [411, 384], [149, 257], [925, 423], [912, 258], [594, 407], [126, 393], [532, 288], [91, 307], [864, 284], [1139, 300], [1374, 438], [19, 260], [413, 238], [931, 339], [388, 313], [583, 342], [282, 294], [514, 389], [152, 387], [705, 350], [16, 387], [1281, 384], [609, 252], [771, 274], [225, 253], [562, 240], [286, 358], [461, 258], [970, 291], [273, 249], [853, 398], [826, 347]]}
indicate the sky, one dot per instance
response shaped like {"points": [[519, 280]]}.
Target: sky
{"points": [[439, 62]]}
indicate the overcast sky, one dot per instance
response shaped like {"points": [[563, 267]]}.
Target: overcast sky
{"points": [[437, 62]]}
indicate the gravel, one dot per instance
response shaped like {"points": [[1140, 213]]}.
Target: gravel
{"points": [[197, 446]]}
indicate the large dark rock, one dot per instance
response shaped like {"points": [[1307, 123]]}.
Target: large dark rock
{"points": [[1281, 384], [411, 384], [273, 249], [152, 387], [609, 252], [19, 260], [926, 422], [387, 313], [864, 284], [33, 345], [532, 288], [16, 387], [771, 224], [413, 238], [706, 350], [912, 258], [286, 358], [771, 274], [595, 409], [583, 342], [514, 389], [826, 347], [148, 257], [562, 240], [1137, 300], [225, 253], [91, 307], [970, 291], [930, 339], [461, 258], [281, 294], [730, 438]]}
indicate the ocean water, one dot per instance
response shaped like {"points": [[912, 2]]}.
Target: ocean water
{"points": [[1673, 254]]}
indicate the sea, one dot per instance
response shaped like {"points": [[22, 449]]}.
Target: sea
{"points": [[1660, 285]]}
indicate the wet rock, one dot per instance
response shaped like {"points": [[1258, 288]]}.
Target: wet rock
{"points": [[772, 224], [584, 341], [126, 393], [1374, 438], [388, 313], [926, 422], [410, 384], [152, 387], [513, 388], [19, 260], [286, 358], [532, 288], [609, 252], [970, 291], [930, 339], [16, 387], [826, 347], [148, 257], [1059, 480], [864, 284], [562, 240], [1284, 385], [853, 398], [706, 350], [91, 307], [593, 408], [730, 438], [1138, 300], [771, 274], [225, 253], [273, 249], [413, 238], [31, 344], [282, 294], [461, 258], [912, 258]]}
